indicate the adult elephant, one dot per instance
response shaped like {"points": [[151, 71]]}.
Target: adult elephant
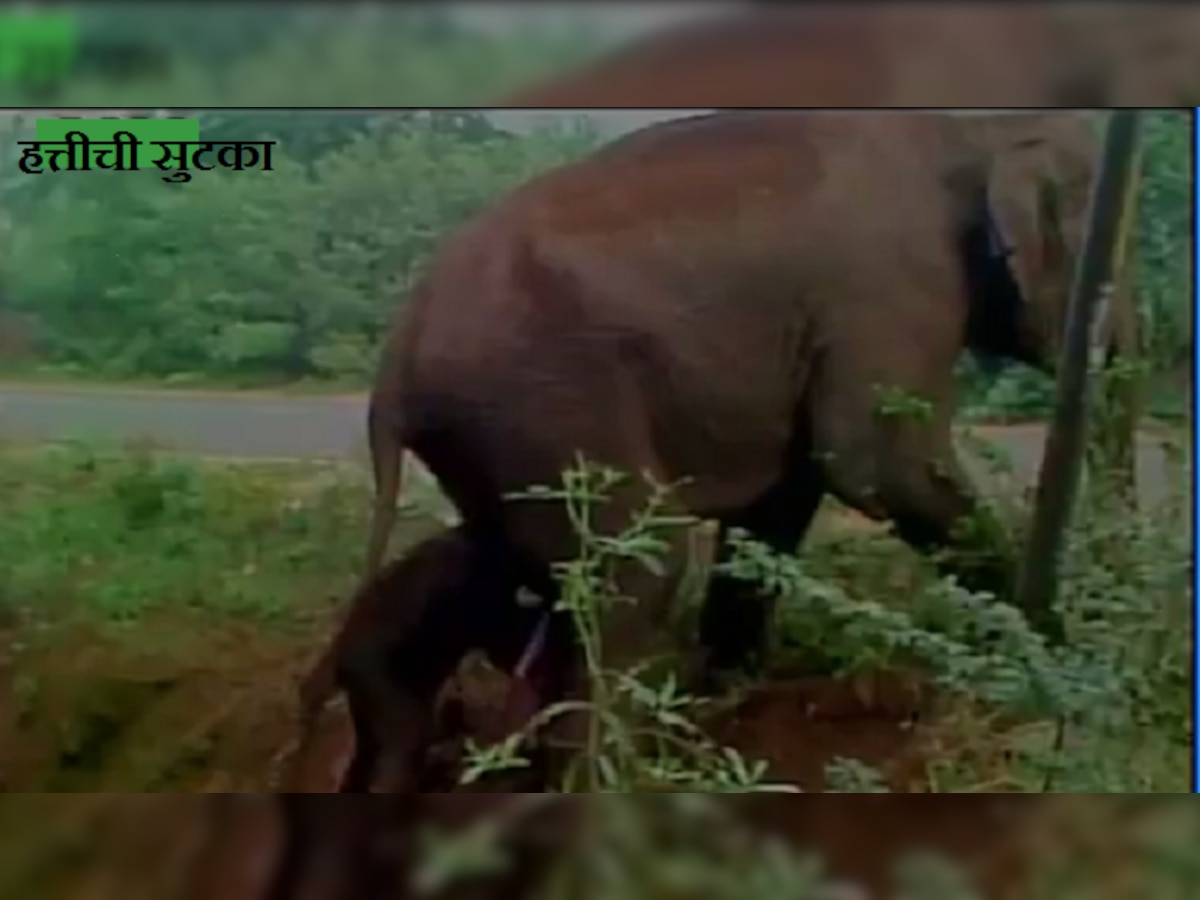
{"points": [[725, 299], [909, 54], [897, 54]]}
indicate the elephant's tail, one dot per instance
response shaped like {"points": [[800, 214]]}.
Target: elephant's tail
{"points": [[387, 463], [316, 689]]}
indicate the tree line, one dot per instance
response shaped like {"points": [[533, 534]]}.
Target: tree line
{"points": [[286, 274], [215, 54], [292, 274]]}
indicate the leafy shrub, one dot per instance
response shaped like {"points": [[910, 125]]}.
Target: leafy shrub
{"points": [[287, 273]]}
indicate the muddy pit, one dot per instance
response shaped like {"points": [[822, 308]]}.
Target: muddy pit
{"points": [[180, 705], [113, 711]]}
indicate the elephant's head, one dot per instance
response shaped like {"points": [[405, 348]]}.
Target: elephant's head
{"points": [[1040, 178], [1041, 174]]}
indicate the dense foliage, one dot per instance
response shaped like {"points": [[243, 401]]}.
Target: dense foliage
{"points": [[291, 274], [1162, 278], [216, 54]]}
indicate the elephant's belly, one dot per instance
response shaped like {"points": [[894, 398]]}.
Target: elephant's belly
{"points": [[721, 476]]}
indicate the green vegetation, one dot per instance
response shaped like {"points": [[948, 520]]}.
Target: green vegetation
{"points": [[1119, 692], [290, 276], [118, 533], [151, 556], [156, 610], [195, 55], [1162, 280], [277, 276], [113, 536], [1109, 713]]}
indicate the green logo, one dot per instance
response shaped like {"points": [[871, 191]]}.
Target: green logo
{"points": [[145, 131], [37, 48]]}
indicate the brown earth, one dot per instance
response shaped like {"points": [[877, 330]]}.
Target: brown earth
{"points": [[99, 726], [184, 704]]}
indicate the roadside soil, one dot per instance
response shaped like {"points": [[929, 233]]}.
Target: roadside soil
{"points": [[183, 705]]}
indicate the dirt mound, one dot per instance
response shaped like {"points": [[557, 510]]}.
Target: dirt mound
{"points": [[176, 704], [474, 705], [817, 733], [99, 724], [188, 705], [803, 726]]}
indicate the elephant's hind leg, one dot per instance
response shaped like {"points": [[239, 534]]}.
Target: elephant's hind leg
{"points": [[408, 630], [736, 616]]}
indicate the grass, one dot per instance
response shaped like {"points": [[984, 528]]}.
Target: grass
{"points": [[118, 561], [116, 534], [113, 536]]}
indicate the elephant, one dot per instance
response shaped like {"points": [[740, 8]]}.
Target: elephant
{"points": [[905, 55], [717, 302], [407, 630], [897, 54]]}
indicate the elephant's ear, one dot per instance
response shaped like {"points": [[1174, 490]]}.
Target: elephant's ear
{"points": [[1012, 210], [1051, 239]]}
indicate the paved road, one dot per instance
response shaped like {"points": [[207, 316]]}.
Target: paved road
{"points": [[261, 426], [235, 424]]}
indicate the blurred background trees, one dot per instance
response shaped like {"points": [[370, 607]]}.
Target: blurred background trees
{"points": [[240, 54], [275, 275], [292, 274]]}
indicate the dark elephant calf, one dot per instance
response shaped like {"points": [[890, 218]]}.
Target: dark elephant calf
{"points": [[407, 631]]}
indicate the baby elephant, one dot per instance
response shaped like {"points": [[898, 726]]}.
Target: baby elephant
{"points": [[408, 629]]}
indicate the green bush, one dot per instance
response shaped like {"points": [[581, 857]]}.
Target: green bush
{"points": [[1162, 278], [1164, 239], [297, 55], [112, 533], [287, 274]]}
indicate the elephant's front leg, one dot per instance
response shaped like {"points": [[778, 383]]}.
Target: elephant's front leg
{"points": [[906, 472], [936, 511]]}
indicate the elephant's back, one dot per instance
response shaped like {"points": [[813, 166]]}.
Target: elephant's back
{"points": [[659, 292]]}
